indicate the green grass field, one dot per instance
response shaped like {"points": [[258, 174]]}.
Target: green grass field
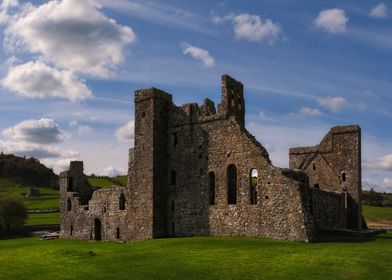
{"points": [[377, 213], [47, 199], [196, 258], [105, 182], [43, 219]]}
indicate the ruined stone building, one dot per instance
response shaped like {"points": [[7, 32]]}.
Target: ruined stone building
{"points": [[196, 170]]}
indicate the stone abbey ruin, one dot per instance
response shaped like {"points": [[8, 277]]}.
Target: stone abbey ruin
{"points": [[195, 170]]}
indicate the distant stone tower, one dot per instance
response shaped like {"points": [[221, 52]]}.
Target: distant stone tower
{"points": [[335, 165]]}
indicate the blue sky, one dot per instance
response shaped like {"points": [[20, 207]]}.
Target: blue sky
{"points": [[69, 68]]}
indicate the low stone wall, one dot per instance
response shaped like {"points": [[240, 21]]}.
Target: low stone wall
{"points": [[329, 209]]}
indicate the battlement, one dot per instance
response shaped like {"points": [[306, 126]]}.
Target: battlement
{"points": [[144, 94]]}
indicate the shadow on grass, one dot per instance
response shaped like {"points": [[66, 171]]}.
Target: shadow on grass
{"points": [[344, 239], [26, 231]]}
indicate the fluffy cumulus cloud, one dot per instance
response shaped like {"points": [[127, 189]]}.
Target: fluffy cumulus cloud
{"points": [[126, 132], [251, 27], [382, 163], [38, 80], [334, 104], [43, 131], [71, 34], [310, 112], [198, 53], [379, 11], [37, 138], [332, 20]]}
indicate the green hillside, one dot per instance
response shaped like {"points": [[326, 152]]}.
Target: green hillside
{"points": [[377, 213], [48, 198], [27, 171]]}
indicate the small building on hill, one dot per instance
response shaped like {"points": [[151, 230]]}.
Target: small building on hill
{"points": [[196, 170]]}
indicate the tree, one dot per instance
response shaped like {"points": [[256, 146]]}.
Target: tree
{"points": [[12, 212]]}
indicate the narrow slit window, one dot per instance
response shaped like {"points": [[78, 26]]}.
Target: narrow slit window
{"points": [[122, 202], [211, 187], [344, 176], [69, 205], [314, 166], [175, 139], [70, 184], [173, 177], [253, 186], [231, 184]]}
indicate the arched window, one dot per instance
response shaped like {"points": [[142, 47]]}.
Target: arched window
{"points": [[69, 205], [211, 187], [316, 186], [231, 184], [122, 202], [253, 186]]}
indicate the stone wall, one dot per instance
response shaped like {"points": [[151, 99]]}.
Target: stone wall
{"points": [[328, 209], [190, 173], [335, 165]]}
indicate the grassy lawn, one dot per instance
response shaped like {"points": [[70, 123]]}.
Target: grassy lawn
{"points": [[196, 258], [105, 182], [43, 219], [377, 213], [48, 198]]}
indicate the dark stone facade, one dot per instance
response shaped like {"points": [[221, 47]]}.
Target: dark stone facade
{"points": [[196, 170]]}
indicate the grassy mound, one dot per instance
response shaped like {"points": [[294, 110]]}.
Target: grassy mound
{"points": [[196, 258]]}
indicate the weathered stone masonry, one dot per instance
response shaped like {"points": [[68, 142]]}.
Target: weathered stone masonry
{"points": [[196, 170]]}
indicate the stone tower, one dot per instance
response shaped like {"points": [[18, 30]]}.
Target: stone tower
{"points": [[335, 165], [233, 103], [149, 181]]}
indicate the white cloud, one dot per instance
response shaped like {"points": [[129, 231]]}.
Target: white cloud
{"points": [[6, 4], [310, 112], [84, 129], [35, 150], [334, 104], [251, 27], [73, 123], [387, 182], [381, 163], [126, 132], [198, 53], [332, 20], [263, 116], [379, 11], [43, 131], [71, 34], [38, 80], [160, 12], [112, 171]]}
